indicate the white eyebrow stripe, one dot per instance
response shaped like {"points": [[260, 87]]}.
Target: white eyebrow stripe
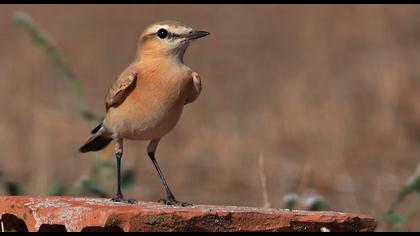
{"points": [[173, 29]]}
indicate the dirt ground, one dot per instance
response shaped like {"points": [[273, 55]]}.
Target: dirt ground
{"points": [[328, 94]]}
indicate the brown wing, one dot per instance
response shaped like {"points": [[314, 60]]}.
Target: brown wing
{"points": [[196, 89], [122, 86]]}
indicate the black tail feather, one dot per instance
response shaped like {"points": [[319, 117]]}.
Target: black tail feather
{"points": [[96, 129], [95, 143]]}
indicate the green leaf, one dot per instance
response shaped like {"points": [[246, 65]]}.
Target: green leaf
{"points": [[127, 178], [290, 200], [56, 189], [391, 218], [316, 203], [413, 185], [13, 188], [395, 221], [93, 188]]}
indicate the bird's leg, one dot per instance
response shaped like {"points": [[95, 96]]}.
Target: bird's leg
{"points": [[120, 196], [119, 155], [170, 199]]}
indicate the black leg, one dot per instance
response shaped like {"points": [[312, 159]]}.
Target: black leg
{"points": [[120, 197], [162, 178], [170, 200]]}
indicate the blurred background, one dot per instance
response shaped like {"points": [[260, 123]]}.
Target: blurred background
{"points": [[299, 101]]}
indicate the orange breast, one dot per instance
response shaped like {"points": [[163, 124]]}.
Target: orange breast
{"points": [[154, 107]]}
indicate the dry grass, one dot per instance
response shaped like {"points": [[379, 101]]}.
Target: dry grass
{"points": [[329, 93], [263, 180]]}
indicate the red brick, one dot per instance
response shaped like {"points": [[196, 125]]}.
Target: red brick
{"points": [[22, 213]]}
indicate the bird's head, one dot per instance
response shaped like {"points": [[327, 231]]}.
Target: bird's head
{"points": [[168, 38]]}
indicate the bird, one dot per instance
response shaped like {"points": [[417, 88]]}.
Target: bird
{"points": [[146, 100]]}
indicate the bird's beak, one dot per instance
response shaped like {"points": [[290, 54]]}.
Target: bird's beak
{"points": [[195, 34]]}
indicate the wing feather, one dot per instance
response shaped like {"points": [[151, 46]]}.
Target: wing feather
{"points": [[196, 90], [122, 86]]}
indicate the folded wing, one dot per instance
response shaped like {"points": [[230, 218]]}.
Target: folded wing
{"points": [[122, 86]]}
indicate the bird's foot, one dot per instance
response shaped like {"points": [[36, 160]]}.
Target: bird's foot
{"points": [[173, 202], [121, 199]]}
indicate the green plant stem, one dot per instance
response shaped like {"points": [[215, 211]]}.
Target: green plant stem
{"points": [[23, 21]]}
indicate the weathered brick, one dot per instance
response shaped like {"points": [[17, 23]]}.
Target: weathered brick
{"points": [[21, 213]]}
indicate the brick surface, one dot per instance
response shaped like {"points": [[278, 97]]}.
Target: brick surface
{"points": [[26, 213]]}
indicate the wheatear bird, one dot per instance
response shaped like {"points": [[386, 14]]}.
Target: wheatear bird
{"points": [[147, 98]]}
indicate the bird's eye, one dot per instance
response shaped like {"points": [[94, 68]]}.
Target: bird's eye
{"points": [[162, 33]]}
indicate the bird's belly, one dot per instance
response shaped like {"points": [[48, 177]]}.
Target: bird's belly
{"points": [[156, 126], [144, 121]]}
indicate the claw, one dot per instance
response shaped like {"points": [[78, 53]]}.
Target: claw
{"points": [[116, 199], [132, 201], [174, 202], [129, 201]]}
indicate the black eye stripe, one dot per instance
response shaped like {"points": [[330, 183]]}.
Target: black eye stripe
{"points": [[176, 35]]}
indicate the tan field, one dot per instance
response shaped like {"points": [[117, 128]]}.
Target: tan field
{"points": [[329, 95]]}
